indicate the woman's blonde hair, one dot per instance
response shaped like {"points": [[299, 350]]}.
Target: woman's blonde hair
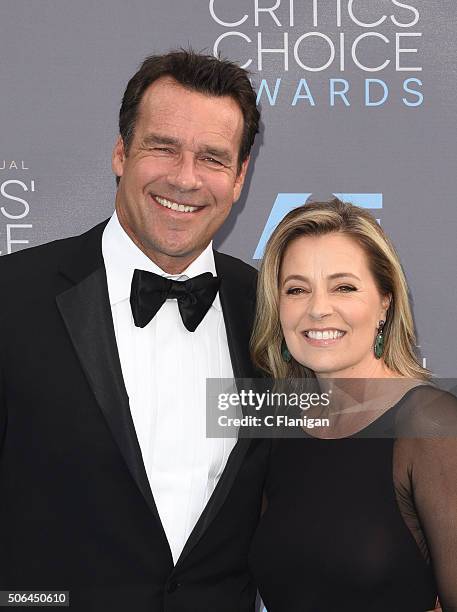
{"points": [[318, 219]]}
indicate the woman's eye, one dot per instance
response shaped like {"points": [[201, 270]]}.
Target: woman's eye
{"points": [[346, 288], [295, 290]]}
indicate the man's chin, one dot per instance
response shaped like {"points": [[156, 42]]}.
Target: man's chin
{"points": [[177, 251], [177, 256]]}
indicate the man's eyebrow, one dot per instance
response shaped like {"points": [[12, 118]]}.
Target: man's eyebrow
{"points": [[221, 154], [158, 139]]}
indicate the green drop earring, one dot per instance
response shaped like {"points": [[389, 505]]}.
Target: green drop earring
{"points": [[285, 353], [379, 341]]}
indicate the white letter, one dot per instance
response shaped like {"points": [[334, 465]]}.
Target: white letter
{"points": [[361, 23], [409, 7], [266, 10], [319, 35], [222, 403], [11, 197], [260, 397], [342, 51], [9, 241], [398, 51], [291, 13], [325, 399], [338, 13], [222, 36], [315, 13], [284, 50], [244, 397], [354, 47], [234, 399], [224, 23]]}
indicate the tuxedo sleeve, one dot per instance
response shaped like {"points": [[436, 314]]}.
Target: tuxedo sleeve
{"points": [[2, 435], [5, 285], [2, 411]]}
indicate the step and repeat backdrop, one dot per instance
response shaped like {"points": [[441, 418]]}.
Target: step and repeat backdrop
{"points": [[357, 99]]}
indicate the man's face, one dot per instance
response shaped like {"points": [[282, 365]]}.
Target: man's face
{"points": [[179, 179]]}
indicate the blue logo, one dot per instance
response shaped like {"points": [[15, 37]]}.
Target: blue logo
{"points": [[285, 202]]}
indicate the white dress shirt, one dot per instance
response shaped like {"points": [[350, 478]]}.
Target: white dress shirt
{"points": [[165, 369]]}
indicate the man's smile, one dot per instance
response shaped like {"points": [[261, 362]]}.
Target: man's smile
{"points": [[176, 206]]}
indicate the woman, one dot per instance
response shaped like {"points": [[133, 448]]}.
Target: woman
{"points": [[366, 520]]}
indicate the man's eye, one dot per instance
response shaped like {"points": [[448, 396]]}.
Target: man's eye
{"points": [[346, 288], [163, 150], [211, 160]]}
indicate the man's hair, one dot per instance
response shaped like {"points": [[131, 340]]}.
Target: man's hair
{"points": [[202, 73]]}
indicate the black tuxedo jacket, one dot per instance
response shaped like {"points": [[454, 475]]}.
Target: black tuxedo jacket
{"points": [[76, 509]]}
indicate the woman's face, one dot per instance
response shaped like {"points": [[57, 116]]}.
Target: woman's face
{"points": [[330, 306]]}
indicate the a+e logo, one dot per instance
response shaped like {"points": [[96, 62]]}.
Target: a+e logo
{"points": [[285, 202]]}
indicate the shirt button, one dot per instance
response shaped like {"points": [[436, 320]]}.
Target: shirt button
{"points": [[173, 585]]}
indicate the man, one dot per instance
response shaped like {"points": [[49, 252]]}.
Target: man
{"points": [[108, 485]]}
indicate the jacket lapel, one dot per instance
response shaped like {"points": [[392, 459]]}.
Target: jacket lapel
{"points": [[87, 315], [86, 312], [237, 295]]}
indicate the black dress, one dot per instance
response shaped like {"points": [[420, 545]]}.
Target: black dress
{"points": [[367, 522]]}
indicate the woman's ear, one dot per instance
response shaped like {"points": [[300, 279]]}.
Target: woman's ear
{"points": [[385, 303]]}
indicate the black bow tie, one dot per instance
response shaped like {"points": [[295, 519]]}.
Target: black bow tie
{"points": [[195, 296]]}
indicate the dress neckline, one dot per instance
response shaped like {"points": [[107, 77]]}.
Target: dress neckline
{"points": [[378, 423]]}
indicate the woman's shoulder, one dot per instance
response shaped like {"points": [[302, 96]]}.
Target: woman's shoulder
{"points": [[427, 410]]}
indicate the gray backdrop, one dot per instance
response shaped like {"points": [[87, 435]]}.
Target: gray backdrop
{"points": [[64, 66]]}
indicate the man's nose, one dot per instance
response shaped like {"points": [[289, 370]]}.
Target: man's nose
{"points": [[319, 304], [184, 174]]}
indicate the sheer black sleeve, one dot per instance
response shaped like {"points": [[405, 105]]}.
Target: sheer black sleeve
{"points": [[426, 459]]}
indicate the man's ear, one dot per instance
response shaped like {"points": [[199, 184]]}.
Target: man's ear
{"points": [[239, 180], [118, 157]]}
